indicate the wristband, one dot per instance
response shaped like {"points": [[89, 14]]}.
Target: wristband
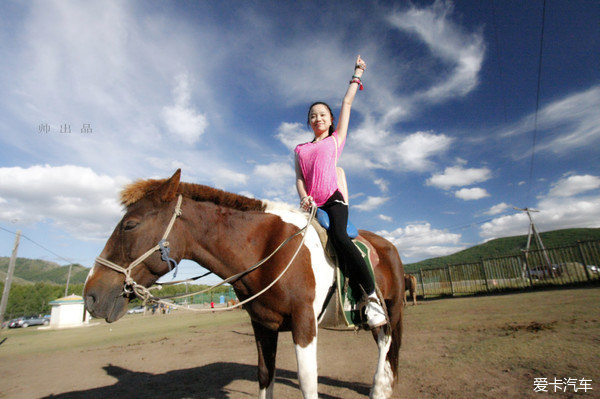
{"points": [[357, 80]]}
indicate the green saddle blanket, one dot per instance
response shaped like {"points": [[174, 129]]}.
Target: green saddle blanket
{"points": [[349, 299]]}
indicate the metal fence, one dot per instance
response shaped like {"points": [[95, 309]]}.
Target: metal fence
{"points": [[535, 268], [207, 298]]}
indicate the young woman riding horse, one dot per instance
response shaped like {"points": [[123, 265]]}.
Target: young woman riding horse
{"points": [[227, 234], [317, 184]]}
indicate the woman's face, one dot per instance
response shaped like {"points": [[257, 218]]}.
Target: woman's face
{"points": [[319, 119]]}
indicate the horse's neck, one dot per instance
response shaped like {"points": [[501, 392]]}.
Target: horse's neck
{"points": [[218, 238]]}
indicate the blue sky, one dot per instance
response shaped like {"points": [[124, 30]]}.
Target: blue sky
{"points": [[444, 141]]}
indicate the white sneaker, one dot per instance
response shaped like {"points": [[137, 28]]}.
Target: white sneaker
{"points": [[375, 314]]}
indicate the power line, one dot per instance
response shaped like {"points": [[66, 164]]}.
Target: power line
{"points": [[499, 61], [537, 102], [39, 245]]}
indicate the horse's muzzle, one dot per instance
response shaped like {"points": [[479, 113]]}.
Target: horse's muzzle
{"points": [[110, 307]]}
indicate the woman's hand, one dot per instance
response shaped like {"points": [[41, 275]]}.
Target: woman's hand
{"points": [[306, 203], [359, 66]]}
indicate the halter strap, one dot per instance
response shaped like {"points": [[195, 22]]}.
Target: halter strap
{"points": [[161, 246]]}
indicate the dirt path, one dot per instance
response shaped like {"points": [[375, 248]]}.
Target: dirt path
{"points": [[460, 353]]}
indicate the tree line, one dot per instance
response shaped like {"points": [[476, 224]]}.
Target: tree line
{"points": [[34, 299]]}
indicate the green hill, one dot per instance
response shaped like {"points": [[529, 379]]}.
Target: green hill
{"points": [[31, 271], [507, 246]]}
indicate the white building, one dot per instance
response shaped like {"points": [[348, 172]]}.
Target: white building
{"points": [[68, 311]]}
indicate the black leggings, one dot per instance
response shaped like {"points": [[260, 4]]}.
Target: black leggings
{"points": [[349, 255]]}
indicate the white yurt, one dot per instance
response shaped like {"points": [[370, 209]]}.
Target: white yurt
{"points": [[68, 311]]}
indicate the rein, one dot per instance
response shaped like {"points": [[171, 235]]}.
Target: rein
{"points": [[130, 286]]}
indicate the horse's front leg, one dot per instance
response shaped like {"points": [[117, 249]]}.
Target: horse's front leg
{"points": [[266, 343], [384, 378], [304, 334]]}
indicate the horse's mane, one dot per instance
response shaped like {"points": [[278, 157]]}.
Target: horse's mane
{"points": [[139, 189]]}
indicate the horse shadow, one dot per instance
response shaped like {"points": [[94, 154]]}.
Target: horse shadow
{"points": [[209, 381]]}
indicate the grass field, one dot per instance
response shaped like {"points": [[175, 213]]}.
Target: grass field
{"points": [[469, 347], [129, 330]]}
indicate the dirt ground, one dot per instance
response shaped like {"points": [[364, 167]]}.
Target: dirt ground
{"points": [[219, 362]]}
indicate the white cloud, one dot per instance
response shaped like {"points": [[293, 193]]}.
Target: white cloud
{"points": [[181, 118], [277, 181], [385, 218], [462, 52], [370, 149], [416, 149], [555, 212], [456, 176], [73, 198], [382, 184], [292, 134], [568, 123], [419, 241], [497, 209], [371, 203], [469, 194], [574, 185], [223, 177], [113, 69]]}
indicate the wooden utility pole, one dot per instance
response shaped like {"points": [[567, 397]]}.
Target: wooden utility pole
{"points": [[533, 231], [9, 276], [68, 280]]}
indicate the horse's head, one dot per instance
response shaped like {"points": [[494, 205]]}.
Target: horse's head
{"points": [[128, 261]]}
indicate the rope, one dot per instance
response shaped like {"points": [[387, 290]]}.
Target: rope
{"points": [[144, 293], [147, 296]]}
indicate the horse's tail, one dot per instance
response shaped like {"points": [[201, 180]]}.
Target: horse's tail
{"points": [[390, 269], [393, 355]]}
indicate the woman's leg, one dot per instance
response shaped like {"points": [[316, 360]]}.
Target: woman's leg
{"points": [[350, 255]]}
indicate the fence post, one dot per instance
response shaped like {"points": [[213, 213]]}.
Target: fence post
{"points": [[485, 279], [450, 279], [525, 254], [422, 284], [587, 272]]}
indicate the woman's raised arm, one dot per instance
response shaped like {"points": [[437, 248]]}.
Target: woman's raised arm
{"points": [[344, 118]]}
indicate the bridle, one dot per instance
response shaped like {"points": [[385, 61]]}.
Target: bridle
{"points": [[131, 286]]}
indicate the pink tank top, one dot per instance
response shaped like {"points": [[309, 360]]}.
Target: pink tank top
{"points": [[318, 161]]}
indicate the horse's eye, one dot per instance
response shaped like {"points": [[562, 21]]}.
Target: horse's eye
{"points": [[130, 225]]}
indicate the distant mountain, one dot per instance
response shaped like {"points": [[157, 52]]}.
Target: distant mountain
{"points": [[507, 246], [31, 271]]}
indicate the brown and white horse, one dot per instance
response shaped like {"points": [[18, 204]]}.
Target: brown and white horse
{"points": [[226, 233], [410, 282]]}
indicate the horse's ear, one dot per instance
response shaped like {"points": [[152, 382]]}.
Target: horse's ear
{"points": [[168, 189]]}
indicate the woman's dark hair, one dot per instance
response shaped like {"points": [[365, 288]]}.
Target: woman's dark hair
{"points": [[331, 127]]}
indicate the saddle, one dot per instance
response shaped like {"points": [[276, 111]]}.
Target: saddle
{"points": [[323, 219]]}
